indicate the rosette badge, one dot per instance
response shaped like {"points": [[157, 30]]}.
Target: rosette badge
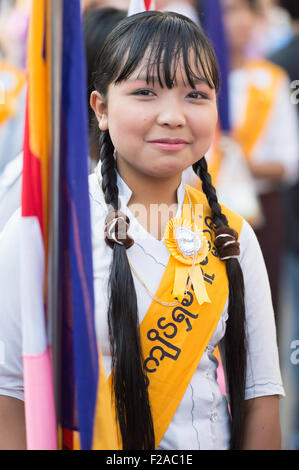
{"points": [[187, 241], [188, 247]]}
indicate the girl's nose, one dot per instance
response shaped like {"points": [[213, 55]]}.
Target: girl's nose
{"points": [[171, 114]]}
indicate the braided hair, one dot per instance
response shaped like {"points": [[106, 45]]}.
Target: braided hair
{"points": [[128, 378], [235, 350], [167, 37]]}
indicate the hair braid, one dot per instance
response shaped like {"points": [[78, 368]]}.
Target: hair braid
{"points": [[235, 347], [128, 378], [108, 167], [201, 169]]}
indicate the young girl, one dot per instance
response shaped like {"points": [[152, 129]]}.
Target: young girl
{"points": [[268, 138], [175, 273]]}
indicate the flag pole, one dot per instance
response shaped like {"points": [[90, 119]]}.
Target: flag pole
{"points": [[53, 317]]}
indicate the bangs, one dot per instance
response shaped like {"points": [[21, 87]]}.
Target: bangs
{"points": [[169, 43]]}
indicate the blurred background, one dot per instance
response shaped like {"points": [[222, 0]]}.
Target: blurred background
{"points": [[254, 159]]}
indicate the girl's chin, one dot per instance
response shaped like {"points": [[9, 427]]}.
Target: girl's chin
{"points": [[166, 169], [166, 172]]}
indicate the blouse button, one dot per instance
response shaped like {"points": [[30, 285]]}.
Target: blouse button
{"points": [[213, 416]]}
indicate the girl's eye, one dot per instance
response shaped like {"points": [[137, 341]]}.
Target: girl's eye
{"points": [[198, 95], [144, 93]]}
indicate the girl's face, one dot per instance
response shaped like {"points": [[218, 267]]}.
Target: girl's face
{"points": [[158, 132], [239, 19]]}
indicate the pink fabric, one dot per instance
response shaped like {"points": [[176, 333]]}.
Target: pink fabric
{"points": [[221, 378], [39, 404]]}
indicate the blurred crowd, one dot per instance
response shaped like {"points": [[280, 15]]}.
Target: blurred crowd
{"points": [[255, 165]]}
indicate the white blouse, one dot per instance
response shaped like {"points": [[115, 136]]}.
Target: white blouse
{"points": [[10, 189], [201, 420]]}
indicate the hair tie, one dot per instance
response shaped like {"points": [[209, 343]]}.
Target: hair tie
{"points": [[226, 242], [116, 229]]}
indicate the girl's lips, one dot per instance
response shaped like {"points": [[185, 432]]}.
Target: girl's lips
{"points": [[169, 144]]}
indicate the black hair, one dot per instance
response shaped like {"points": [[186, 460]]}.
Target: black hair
{"points": [[292, 7], [235, 337], [97, 24], [167, 37]]}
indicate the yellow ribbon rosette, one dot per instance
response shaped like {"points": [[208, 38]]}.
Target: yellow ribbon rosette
{"points": [[188, 246]]}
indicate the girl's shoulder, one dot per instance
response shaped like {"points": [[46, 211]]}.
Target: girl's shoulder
{"points": [[10, 240], [11, 231], [264, 65]]}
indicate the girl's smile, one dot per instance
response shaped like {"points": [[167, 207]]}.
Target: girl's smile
{"points": [[169, 144]]}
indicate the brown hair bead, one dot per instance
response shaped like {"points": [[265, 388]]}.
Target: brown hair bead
{"points": [[226, 242], [116, 229]]}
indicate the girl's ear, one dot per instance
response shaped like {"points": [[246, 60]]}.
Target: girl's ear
{"points": [[98, 104]]}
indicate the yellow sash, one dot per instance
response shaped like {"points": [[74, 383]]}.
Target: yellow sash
{"points": [[259, 106], [9, 98], [260, 103], [174, 338]]}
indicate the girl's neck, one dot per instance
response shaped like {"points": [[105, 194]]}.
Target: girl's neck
{"points": [[237, 60], [148, 190], [154, 200]]}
